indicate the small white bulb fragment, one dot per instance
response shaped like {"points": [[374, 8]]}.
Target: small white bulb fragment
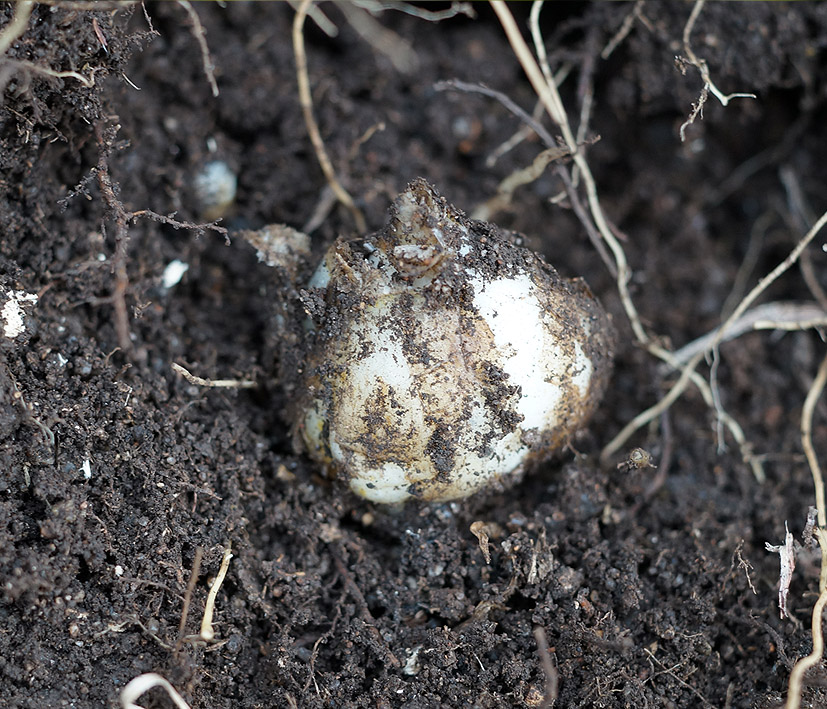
{"points": [[443, 358]]}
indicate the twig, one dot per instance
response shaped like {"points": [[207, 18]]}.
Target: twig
{"points": [[327, 200], [306, 101], [322, 21], [786, 556], [518, 178], [584, 91], [118, 296], [745, 565], [519, 136], [364, 138], [200, 37], [811, 660], [175, 224], [580, 212], [770, 278], [216, 383], [537, 38], [697, 110], [585, 87], [701, 63]]}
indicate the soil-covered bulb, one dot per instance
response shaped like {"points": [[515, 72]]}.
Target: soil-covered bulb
{"points": [[442, 357]]}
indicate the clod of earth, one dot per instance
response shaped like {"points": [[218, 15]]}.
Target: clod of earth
{"points": [[442, 357]]}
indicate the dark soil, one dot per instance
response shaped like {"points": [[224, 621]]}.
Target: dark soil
{"points": [[645, 599]]}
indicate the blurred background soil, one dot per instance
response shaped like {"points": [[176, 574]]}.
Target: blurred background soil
{"points": [[652, 587]]}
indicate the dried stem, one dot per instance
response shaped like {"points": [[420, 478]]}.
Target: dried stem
{"points": [[46, 71]]}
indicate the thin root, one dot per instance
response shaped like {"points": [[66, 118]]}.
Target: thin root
{"points": [[185, 609], [15, 29], [143, 683], [689, 369], [306, 101], [811, 660], [215, 383], [201, 38], [768, 316], [623, 32], [548, 94], [207, 632], [701, 65], [549, 670], [815, 469]]}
